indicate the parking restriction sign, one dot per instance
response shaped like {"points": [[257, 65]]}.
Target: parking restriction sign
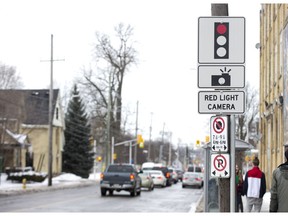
{"points": [[219, 133], [220, 165]]}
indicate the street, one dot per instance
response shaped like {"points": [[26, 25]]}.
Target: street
{"points": [[88, 199]]}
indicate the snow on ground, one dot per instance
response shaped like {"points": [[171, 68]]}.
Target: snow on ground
{"points": [[65, 178]]}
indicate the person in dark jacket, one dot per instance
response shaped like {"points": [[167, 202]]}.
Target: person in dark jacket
{"points": [[239, 189], [254, 187], [279, 188]]}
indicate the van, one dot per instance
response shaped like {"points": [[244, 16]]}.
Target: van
{"points": [[148, 165]]}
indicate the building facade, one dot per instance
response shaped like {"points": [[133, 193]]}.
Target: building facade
{"points": [[273, 86], [24, 114]]}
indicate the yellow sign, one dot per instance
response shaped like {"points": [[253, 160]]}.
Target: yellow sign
{"points": [[114, 156]]}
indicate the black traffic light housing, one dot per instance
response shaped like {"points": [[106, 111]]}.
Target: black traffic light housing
{"points": [[221, 40]]}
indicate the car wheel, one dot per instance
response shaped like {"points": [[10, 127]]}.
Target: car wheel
{"points": [[139, 192], [110, 192], [133, 193], [103, 192]]}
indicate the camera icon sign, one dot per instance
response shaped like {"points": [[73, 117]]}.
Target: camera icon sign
{"points": [[221, 80]]}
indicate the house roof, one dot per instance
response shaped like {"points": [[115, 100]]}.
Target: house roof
{"points": [[30, 106]]}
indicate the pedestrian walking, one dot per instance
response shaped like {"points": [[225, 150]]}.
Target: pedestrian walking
{"points": [[279, 188], [239, 189], [254, 187]]}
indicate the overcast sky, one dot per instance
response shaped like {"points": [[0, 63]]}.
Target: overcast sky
{"points": [[165, 79]]}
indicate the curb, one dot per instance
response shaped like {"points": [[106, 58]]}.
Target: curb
{"points": [[200, 204]]}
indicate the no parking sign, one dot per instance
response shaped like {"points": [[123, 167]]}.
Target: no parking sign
{"points": [[219, 133], [220, 165]]}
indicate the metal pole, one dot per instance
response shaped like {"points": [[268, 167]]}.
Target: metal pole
{"points": [[170, 148], [107, 160], [232, 157], [130, 152], [94, 150], [50, 118], [112, 151], [149, 145], [161, 145], [136, 133]]}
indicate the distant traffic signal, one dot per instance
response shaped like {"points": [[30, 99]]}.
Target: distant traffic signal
{"points": [[221, 40], [140, 141]]}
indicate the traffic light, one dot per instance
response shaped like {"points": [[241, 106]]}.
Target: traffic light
{"points": [[99, 158], [139, 139], [197, 143], [221, 40], [207, 139]]}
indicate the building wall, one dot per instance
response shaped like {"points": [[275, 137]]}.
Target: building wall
{"points": [[38, 137], [273, 20]]}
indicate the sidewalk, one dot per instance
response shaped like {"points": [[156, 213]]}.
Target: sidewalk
{"points": [[265, 205]]}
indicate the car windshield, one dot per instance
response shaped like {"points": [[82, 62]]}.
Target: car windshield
{"points": [[194, 169], [120, 168]]}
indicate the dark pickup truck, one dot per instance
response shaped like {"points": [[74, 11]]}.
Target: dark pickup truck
{"points": [[118, 177]]}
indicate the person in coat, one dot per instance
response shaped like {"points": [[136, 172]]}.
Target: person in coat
{"points": [[279, 188], [239, 189], [254, 187]]}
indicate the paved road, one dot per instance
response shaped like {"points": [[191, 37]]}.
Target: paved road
{"points": [[88, 199]]}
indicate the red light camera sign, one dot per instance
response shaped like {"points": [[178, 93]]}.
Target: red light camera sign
{"points": [[221, 40]]}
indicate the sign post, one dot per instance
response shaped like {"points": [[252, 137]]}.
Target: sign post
{"points": [[221, 59]]}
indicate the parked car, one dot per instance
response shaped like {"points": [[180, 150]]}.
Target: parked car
{"points": [[192, 179], [146, 180], [174, 174], [158, 178], [180, 174], [166, 173]]}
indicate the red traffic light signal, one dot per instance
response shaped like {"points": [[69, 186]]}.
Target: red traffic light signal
{"points": [[221, 40]]}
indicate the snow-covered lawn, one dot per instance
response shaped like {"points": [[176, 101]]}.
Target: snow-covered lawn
{"points": [[65, 178]]}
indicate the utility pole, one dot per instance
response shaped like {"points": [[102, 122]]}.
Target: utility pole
{"points": [[108, 125], [161, 145], [136, 132], [149, 145], [224, 183], [170, 148], [50, 143], [50, 165]]}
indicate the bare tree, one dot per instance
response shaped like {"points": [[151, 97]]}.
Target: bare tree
{"points": [[103, 87], [107, 81], [246, 122], [9, 79]]}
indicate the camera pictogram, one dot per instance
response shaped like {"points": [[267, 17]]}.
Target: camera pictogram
{"points": [[221, 80]]}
